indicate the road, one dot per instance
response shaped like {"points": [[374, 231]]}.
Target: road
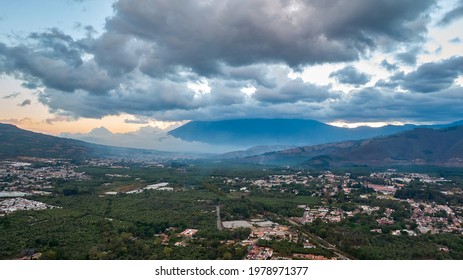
{"points": [[219, 221], [321, 242]]}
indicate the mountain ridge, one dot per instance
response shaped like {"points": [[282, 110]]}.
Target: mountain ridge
{"points": [[17, 142], [420, 146]]}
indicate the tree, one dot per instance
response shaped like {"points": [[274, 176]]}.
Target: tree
{"points": [[227, 256], [167, 252]]}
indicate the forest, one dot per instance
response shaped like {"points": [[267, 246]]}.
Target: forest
{"points": [[87, 223]]}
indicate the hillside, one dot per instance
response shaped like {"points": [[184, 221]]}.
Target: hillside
{"points": [[16, 142], [420, 146], [294, 132], [257, 150]]}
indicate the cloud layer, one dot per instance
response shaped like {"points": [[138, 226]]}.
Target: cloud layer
{"points": [[147, 138], [211, 59]]}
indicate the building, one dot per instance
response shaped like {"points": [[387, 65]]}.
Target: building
{"points": [[236, 224]]}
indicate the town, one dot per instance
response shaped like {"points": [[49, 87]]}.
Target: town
{"points": [[427, 216], [22, 179], [270, 214]]}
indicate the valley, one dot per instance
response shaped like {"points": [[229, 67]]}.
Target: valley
{"points": [[388, 197], [120, 209]]}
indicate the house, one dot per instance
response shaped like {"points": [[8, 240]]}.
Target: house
{"points": [[236, 224], [189, 232]]}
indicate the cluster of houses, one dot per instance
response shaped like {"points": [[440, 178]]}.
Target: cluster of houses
{"points": [[398, 179], [21, 204], [429, 217], [331, 183], [262, 229], [435, 218], [21, 178], [326, 214], [259, 253], [278, 180]]}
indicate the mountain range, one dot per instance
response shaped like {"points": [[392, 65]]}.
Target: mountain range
{"points": [[294, 132], [436, 145], [420, 146]]}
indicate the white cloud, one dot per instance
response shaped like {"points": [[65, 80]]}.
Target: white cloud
{"points": [[147, 137]]}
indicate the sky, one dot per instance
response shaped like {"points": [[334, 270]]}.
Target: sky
{"points": [[78, 67]]}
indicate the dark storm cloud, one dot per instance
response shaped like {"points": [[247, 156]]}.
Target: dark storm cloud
{"points": [[247, 110], [56, 44], [350, 75], [25, 103], [294, 91], [393, 82], [31, 83], [434, 76], [409, 57], [200, 35], [151, 50], [428, 77], [372, 104], [453, 15], [53, 59], [455, 40], [388, 66], [118, 54], [137, 121], [13, 95], [138, 97], [258, 73]]}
